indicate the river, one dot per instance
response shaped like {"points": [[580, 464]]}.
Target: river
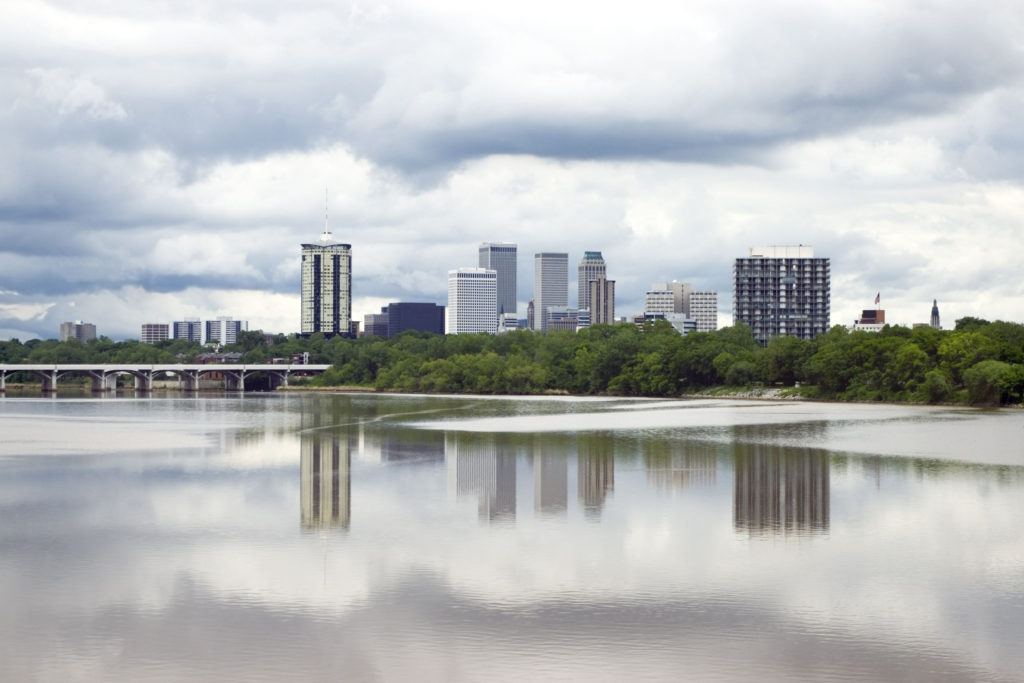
{"points": [[264, 537]]}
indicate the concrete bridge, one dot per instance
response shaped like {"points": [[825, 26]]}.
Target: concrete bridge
{"points": [[104, 376]]}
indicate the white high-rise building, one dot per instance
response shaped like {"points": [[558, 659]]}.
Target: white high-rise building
{"points": [[189, 328], [698, 305], [83, 332], [224, 330], [501, 257], [680, 295], [704, 309], [154, 332], [550, 286], [326, 286], [592, 267], [472, 301], [658, 302]]}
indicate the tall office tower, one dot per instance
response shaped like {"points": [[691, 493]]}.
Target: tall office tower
{"points": [[602, 301], [189, 328], [423, 317], [680, 295], [658, 302], [154, 332], [550, 286], [224, 330], [327, 286], [83, 332], [935, 314], [704, 309], [501, 257], [592, 267], [782, 290], [472, 301]]}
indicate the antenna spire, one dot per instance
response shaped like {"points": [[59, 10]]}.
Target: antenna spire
{"points": [[326, 237]]}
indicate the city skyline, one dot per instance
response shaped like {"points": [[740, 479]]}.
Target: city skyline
{"points": [[173, 175]]}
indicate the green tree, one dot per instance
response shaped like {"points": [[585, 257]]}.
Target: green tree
{"points": [[935, 387], [985, 381]]}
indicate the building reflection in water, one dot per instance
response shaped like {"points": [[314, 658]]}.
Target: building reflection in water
{"points": [[398, 446], [326, 480], [550, 480], [595, 478], [781, 490], [680, 465], [478, 466]]}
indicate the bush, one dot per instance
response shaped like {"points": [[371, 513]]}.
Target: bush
{"points": [[935, 387]]}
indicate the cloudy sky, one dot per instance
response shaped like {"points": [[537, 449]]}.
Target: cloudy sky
{"points": [[165, 160]]}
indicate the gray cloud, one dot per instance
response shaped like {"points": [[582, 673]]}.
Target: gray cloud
{"points": [[672, 139]]}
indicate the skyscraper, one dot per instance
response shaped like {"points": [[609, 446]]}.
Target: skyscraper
{"points": [[326, 286], [602, 301], [550, 286], [782, 290], [501, 257], [472, 301], [935, 314], [592, 267]]}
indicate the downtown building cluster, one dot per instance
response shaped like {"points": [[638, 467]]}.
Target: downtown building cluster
{"points": [[481, 299], [777, 290]]}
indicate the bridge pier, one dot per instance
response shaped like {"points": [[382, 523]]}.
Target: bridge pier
{"points": [[144, 382], [190, 380], [49, 381], [102, 382], [234, 381], [3, 381]]}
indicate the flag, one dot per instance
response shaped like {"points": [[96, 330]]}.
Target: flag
{"points": [[878, 298]]}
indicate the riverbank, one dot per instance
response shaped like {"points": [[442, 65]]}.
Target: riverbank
{"points": [[343, 388]]}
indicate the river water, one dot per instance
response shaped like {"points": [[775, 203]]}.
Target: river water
{"points": [[374, 537]]}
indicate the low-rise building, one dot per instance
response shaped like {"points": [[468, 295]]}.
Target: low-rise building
{"points": [[154, 332]]}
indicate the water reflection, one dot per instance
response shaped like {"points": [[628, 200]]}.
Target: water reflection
{"points": [[550, 479], [781, 490], [326, 488], [400, 445], [478, 466], [595, 478], [680, 464]]}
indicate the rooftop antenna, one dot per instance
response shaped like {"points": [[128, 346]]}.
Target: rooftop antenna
{"points": [[326, 237]]}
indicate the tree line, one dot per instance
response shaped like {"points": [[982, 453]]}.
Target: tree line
{"points": [[978, 362]]}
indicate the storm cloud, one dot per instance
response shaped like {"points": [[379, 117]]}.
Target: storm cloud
{"points": [[167, 160]]}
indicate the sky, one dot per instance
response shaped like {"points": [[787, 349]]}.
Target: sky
{"points": [[166, 160]]}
